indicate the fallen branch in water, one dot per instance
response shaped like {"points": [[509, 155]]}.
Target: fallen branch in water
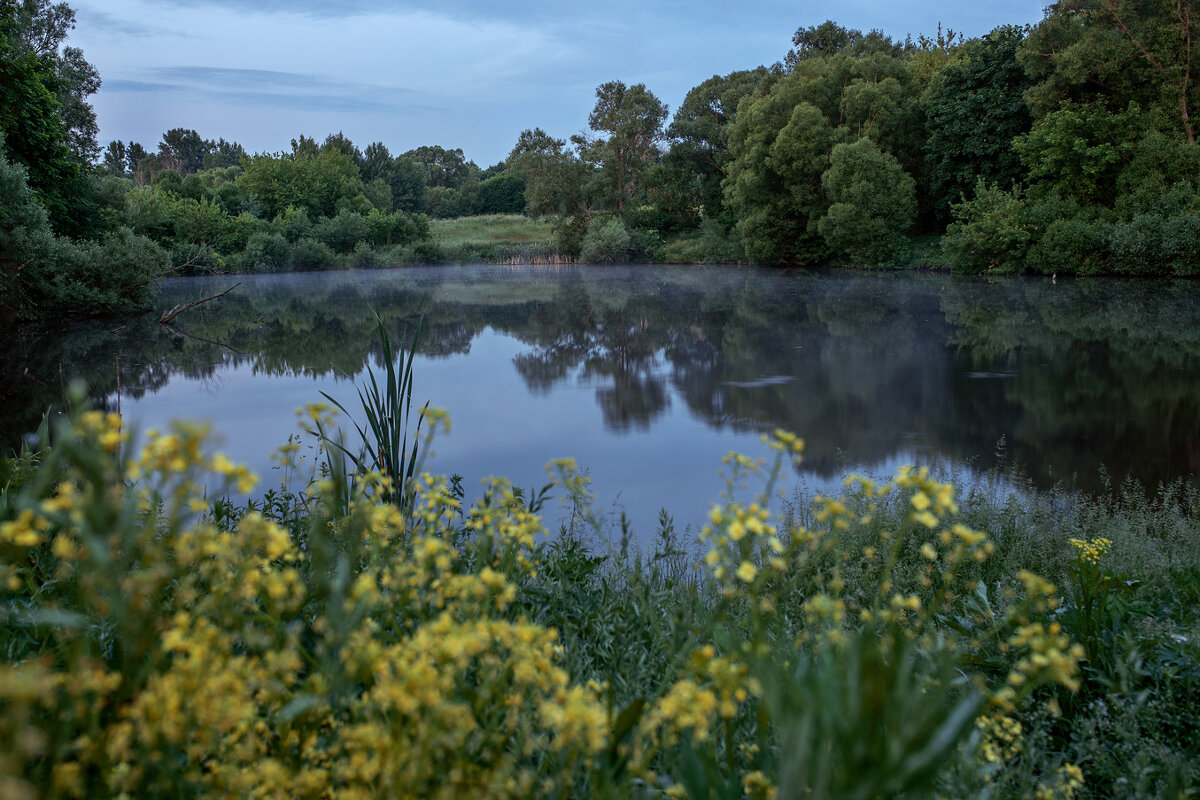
{"points": [[185, 335], [167, 316]]}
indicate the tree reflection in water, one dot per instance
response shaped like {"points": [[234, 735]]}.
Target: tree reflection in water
{"points": [[868, 367]]}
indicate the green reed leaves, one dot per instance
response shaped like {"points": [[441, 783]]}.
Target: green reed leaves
{"points": [[388, 411]]}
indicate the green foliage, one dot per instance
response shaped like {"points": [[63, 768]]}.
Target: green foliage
{"points": [[442, 167], [629, 123], [1081, 150], [388, 424], [43, 274], [45, 122], [343, 231], [310, 253], [315, 183], [501, 194], [555, 180], [183, 150], [974, 108], [872, 204], [991, 231], [266, 252], [784, 134], [699, 135], [1112, 53], [1072, 244], [780, 147], [607, 242]]}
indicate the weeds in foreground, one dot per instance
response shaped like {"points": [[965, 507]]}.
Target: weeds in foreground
{"points": [[155, 645]]}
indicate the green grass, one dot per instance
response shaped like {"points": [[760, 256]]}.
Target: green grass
{"points": [[491, 229]]}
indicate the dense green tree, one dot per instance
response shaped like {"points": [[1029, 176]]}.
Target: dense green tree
{"points": [[341, 143], [223, 154], [376, 162], [42, 28], [31, 109], [316, 182], [443, 167], [1118, 52], [628, 123], [1081, 150], [872, 204], [974, 108], [116, 158], [829, 38], [134, 154], [305, 147], [555, 180], [182, 150], [699, 135], [501, 194], [780, 146], [43, 274], [404, 177]]}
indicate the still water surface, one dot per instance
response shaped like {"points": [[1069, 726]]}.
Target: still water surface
{"points": [[647, 376]]}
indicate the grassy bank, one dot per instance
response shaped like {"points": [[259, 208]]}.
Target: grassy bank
{"points": [[495, 238], [904, 639]]}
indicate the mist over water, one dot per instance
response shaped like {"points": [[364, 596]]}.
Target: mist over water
{"points": [[648, 375]]}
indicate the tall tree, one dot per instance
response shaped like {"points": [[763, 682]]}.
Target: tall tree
{"points": [[630, 120], [182, 150], [872, 204], [115, 156], [32, 119], [222, 154], [42, 28], [1119, 51], [975, 106], [443, 167], [700, 133], [555, 180], [829, 38], [340, 142]]}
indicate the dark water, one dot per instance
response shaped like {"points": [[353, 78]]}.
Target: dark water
{"points": [[649, 375]]}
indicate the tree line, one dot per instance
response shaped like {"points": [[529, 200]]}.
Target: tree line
{"points": [[1065, 147]]}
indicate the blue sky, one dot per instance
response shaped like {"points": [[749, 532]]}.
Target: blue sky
{"points": [[457, 73]]}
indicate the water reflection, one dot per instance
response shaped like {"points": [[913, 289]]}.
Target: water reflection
{"points": [[636, 365]]}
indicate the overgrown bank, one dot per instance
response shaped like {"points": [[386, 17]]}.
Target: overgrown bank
{"points": [[375, 638]]}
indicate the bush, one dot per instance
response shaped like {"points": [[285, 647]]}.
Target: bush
{"points": [[873, 204], [989, 232], [311, 254], [365, 255], [266, 252], [342, 232], [1074, 245], [501, 194], [328, 643], [606, 242]]}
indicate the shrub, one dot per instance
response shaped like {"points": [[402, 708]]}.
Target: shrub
{"points": [[606, 242], [266, 252], [165, 646], [342, 232], [1076, 244], [365, 255], [312, 254], [989, 232]]}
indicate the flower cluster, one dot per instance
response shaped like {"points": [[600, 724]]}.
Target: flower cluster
{"points": [[1090, 550]]}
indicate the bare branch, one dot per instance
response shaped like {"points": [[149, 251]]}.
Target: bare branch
{"points": [[167, 316]]}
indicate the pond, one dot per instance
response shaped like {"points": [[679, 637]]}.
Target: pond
{"points": [[648, 376]]}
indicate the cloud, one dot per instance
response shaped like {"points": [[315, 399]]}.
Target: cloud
{"points": [[273, 89], [111, 24]]}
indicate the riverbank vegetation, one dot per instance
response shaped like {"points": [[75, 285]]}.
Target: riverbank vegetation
{"points": [[364, 636], [1065, 147]]}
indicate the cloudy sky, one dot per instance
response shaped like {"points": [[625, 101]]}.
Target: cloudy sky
{"points": [[456, 73]]}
